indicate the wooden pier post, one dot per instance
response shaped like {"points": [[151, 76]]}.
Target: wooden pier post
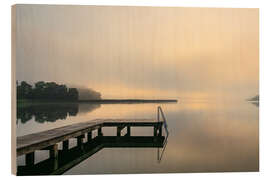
{"points": [[80, 140], [128, 131], [89, 136], [65, 145], [55, 163], [155, 130], [30, 159], [53, 151], [54, 155], [119, 129], [100, 132]]}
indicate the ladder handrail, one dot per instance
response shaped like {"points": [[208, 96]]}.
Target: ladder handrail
{"points": [[159, 111]]}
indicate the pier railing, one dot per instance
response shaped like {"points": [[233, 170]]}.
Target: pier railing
{"points": [[160, 113]]}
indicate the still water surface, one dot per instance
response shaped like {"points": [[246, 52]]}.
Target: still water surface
{"points": [[205, 136]]}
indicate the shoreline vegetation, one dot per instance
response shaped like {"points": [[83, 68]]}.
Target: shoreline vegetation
{"points": [[46, 91], [254, 99], [53, 93]]}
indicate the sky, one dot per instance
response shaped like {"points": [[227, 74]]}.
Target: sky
{"points": [[141, 52]]}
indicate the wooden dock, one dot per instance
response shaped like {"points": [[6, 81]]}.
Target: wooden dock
{"points": [[75, 155], [48, 140], [60, 160]]}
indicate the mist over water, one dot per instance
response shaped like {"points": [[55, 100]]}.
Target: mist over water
{"points": [[141, 52]]}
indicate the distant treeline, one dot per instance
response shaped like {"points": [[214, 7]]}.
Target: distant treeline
{"points": [[46, 91], [255, 98]]}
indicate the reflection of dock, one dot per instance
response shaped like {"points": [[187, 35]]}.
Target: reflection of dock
{"points": [[61, 160], [69, 158]]}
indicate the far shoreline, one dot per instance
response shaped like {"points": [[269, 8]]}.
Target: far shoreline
{"points": [[113, 101]]}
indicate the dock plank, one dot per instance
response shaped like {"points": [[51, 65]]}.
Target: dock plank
{"points": [[37, 141]]}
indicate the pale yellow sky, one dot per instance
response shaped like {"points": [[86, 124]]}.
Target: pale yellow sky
{"points": [[141, 52]]}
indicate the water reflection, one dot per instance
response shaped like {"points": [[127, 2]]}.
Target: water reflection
{"points": [[51, 112], [71, 157], [160, 152], [256, 103], [205, 136]]}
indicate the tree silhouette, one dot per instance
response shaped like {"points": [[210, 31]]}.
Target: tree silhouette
{"points": [[46, 91]]}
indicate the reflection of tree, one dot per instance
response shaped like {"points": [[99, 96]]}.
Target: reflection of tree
{"points": [[47, 112], [85, 107], [255, 103]]}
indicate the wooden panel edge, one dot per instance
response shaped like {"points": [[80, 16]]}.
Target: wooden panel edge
{"points": [[13, 90]]}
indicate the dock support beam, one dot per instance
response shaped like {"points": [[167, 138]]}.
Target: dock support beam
{"points": [[80, 140], [89, 136], [30, 159], [54, 155], [53, 151], [155, 130], [65, 145], [100, 132], [128, 131], [119, 129]]}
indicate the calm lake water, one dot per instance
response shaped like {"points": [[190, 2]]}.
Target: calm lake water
{"points": [[204, 136]]}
